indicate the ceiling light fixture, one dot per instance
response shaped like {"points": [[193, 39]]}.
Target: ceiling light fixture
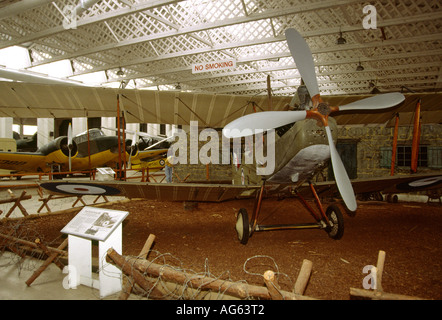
{"points": [[120, 73], [341, 39], [360, 67]]}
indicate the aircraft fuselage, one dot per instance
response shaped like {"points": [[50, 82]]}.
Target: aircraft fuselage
{"points": [[300, 152]]}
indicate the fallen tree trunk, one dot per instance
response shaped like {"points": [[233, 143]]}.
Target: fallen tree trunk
{"points": [[236, 289], [31, 244], [125, 293]]}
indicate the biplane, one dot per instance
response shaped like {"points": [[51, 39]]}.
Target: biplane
{"points": [[304, 145], [85, 151]]}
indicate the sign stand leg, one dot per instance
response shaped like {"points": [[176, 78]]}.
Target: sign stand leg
{"points": [[109, 275], [80, 264]]}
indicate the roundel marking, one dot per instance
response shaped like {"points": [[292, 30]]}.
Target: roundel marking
{"points": [[77, 188], [421, 183]]}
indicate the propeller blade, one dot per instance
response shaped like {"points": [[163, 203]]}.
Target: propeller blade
{"points": [[261, 121], [134, 139], [380, 101], [342, 180], [304, 60], [158, 142], [139, 133]]}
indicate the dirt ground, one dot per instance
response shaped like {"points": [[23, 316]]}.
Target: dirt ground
{"points": [[204, 238]]}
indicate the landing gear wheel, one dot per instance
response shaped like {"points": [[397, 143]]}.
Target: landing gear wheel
{"points": [[242, 226], [334, 214]]}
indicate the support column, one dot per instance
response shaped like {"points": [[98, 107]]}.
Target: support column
{"points": [[132, 127], [6, 128], [79, 125], [109, 122], [45, 131], [153, 128]]}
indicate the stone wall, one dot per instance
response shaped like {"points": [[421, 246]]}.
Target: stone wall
{"points": [[371, 140], [210, 173]]}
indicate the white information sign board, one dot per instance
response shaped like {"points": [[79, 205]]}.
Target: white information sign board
{"points": [[89, 224], [95, 223]]}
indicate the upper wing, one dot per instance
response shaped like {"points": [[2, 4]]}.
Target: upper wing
{"points": [[67, 101]]}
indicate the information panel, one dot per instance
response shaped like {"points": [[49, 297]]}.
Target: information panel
{"points": [[95, 223]]}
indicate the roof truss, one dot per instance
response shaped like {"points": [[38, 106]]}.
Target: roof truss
{"points": [[154, 43]]}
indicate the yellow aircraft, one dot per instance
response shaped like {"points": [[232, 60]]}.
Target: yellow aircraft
{"points": [[80, 153]]}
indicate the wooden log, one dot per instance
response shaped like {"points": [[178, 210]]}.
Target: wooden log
{"points": [[379, 295], [45, 203], [272, 285], [236, 289], [46, 263], [45, 249], [139, 279], [127, 289], [18, 204], [303, 277], [31, 244], [9, 245], [26, 197]]}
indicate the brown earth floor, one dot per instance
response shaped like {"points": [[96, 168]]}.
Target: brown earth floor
{"points": [[205, 238]]}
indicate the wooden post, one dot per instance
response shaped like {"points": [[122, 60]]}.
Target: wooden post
{"points": [[18, 204], [378, 292], [416, 138], [303, 277], [394, 148], [272, 285], [125, 293], [45, 203], [47, 262], [45, 249], [379, 270], [79, 198]]}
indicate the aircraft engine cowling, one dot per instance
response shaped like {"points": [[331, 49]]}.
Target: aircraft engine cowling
{"points": [[58, 150]]}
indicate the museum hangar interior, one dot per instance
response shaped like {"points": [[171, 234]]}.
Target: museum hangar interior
{"points": [[156, 67]]}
